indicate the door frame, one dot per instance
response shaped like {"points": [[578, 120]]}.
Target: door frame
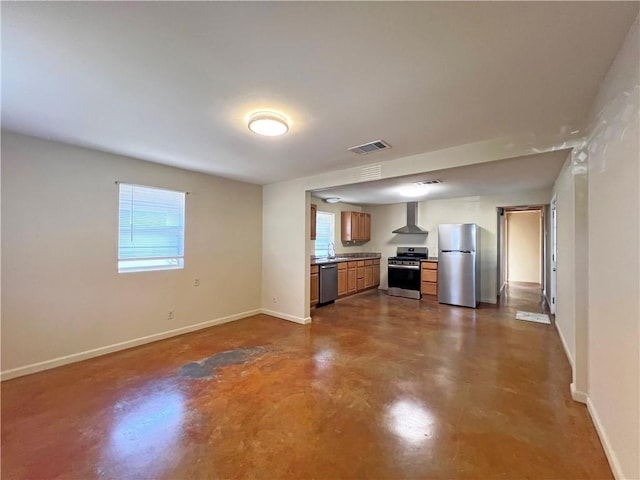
{"points": [[551, 299], [502, 238], [501, 276]]}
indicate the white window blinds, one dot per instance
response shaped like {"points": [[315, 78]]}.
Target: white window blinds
{"points": [[324, 232], [151, 229]]}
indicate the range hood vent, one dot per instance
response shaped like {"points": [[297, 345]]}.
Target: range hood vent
{"points": [[412, 215], [369, 147]]}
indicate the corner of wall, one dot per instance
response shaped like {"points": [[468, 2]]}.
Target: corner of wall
{"points": [[607, 446]]}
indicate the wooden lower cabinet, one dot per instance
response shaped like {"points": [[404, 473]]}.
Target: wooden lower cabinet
{"points": [[342, 279], [376, 272], [352, 277], [429, 288], [360, 275], [368, 273], [429, 278], [314, 285]]}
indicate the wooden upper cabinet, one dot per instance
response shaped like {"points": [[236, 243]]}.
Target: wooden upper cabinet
{"points": [[346, 226], [366, 235], [356, 227], [314, 211]]}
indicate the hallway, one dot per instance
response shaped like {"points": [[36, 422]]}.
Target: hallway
{"points": [[375, 387]]}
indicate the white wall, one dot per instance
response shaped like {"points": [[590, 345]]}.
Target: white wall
{"points": [[524, 246], [564, 189], [614, 260], [286, 218], [479, 210], [61, 291], [385, 219]]}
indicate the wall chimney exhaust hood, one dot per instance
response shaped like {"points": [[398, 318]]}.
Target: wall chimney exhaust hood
{"points": [[411, 227]]}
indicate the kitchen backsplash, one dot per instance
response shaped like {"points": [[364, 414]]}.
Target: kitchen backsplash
{"points": [[349, 255]]}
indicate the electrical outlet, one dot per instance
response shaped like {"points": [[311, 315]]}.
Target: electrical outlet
{"points": [[171, 315], [196, 282], [274, 300]]}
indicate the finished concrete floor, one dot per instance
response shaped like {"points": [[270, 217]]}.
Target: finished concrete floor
{"points": [[376, 387]]}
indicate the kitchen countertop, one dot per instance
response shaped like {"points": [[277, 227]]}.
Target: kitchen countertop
{"points": [[352, 257], [430, 259]]}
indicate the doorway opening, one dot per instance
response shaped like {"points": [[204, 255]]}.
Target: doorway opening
{"points": [[522, 246]]}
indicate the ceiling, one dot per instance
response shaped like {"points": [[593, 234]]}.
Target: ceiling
{"points": [[173, 83], [533, 172]]}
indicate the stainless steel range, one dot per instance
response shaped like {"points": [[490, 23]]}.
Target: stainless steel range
{"points": [[404, 271]]}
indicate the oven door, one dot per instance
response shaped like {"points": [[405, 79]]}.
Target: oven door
{"points": [[404, 280]]}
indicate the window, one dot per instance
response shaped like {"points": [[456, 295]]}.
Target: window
{"points": [[324, 232], [150, 229]]}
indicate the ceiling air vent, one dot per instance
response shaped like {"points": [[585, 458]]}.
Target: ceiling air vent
{"points": [[429, 182], [369, 147]]}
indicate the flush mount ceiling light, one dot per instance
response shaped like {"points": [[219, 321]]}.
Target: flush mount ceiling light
{"points": [[332, 199], [413, 190], [269, 124]]}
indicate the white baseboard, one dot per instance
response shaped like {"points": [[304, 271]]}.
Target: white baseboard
{"points": [[489, 300], [604, 440], [564, 345], [286, 316], [577, 395], [96, 352]]}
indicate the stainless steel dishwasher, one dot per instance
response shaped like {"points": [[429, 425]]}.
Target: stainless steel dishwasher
{"points": [[328, 283]]}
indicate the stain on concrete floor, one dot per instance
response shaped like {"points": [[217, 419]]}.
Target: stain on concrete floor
{"points": [[209, 366]]}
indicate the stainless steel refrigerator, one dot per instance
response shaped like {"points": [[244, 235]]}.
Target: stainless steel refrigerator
{"points": [[458, 264]]}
